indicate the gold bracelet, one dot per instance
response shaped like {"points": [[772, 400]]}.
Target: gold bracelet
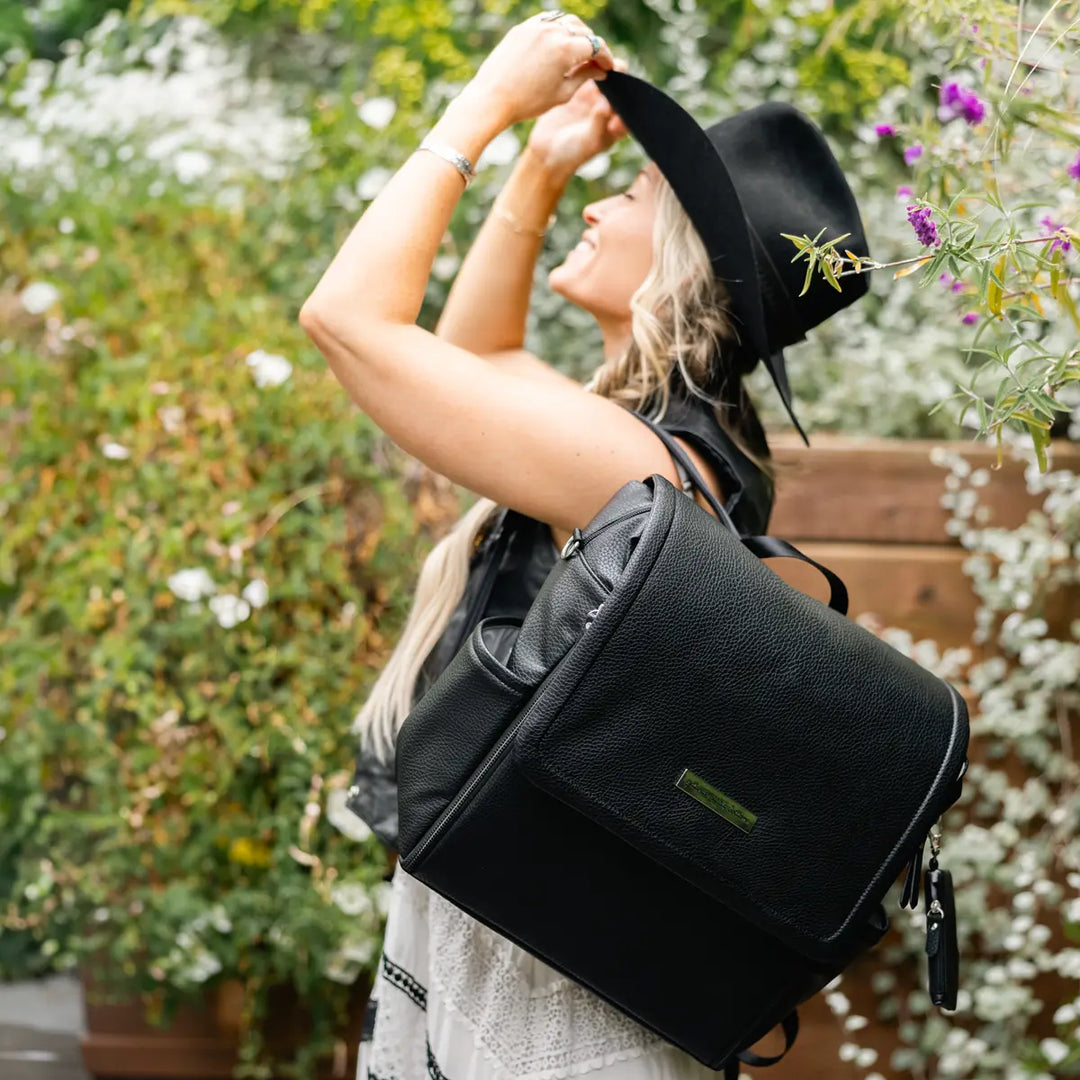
{"points": [[517, 226]]}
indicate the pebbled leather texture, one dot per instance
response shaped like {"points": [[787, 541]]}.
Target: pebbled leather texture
{"points": [[510, 567], [699, 657], [455, 725], [841, 746], [651, 944]]}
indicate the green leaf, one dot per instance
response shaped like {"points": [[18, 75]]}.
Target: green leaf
{"points": [[830, 277]]}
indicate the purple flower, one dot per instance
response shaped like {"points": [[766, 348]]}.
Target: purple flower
{"points": [[970, 317], [912, 153], [884, 131], [1074, 169], [1061, 241], [903, 191], [954, 101], [924, 227], [951, 283]]}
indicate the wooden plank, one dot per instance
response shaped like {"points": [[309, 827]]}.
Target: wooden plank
{"points": [[845, 487], [919, 588]]}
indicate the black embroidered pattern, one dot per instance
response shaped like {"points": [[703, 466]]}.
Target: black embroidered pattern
{"points": [[433, 1069], [399, 977]]}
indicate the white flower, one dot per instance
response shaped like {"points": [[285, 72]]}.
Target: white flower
{"points": [[445, 266], [66, 225], [171, 417], [229, 609], [339, 970], [1066, 1014], [359, 950], [371, 182], [191, 165], [500, 151], [996, 1003], [377, 112], [39, 297], [269, 369], [838, 1003], [343, 819], [1067, 962], [256, 593], [219, 919], [351, 898], [345, 965], [381, 895], [115, 451], [1054, 1050], [192, 584], [204, 965], [595, 167]]}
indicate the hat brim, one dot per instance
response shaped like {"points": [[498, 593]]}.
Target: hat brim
{"points": [[693, 167]]}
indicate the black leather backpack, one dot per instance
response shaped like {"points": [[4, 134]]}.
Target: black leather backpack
{"points": [[731, 773]]}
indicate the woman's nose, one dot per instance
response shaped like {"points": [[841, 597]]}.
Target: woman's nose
{"points": [[589, 213]]}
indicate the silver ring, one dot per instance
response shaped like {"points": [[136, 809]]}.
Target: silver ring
{"points": [[551, 16], [595, 44]]}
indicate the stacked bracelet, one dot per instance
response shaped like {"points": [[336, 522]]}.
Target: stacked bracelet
{"points": [[464, 166]]}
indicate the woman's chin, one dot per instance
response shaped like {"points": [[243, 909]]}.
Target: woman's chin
{"points": [[563, 280]]}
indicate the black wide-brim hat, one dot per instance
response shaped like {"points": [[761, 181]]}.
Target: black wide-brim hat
{"points": [[742, 182]]}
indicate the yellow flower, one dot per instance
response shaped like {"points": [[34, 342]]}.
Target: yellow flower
{"points": [[250, 852]]}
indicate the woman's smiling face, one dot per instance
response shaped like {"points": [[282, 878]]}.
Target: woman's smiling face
{"points": [[615, 254]]}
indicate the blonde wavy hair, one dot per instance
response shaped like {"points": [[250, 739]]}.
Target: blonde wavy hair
{"points": [[679, 316]]}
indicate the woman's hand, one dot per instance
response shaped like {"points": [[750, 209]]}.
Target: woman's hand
{"points": [[538, 64], [568, 135]]}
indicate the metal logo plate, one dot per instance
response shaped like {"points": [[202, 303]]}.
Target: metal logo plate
{"points": [[716, 801]]}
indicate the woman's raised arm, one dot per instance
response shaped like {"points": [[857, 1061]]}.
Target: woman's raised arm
{"points": [[488, 303]]}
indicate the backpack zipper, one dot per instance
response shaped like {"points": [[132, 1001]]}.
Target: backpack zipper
{"points": [[578, 539], [493, 758]]}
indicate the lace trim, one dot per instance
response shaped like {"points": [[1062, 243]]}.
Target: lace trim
{"points": [[493, 1008], [526, 1017]]}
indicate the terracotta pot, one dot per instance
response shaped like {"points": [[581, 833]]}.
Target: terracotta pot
{"points": [[202, 1040]]}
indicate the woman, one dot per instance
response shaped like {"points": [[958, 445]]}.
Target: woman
{"points": [[454, 998]]}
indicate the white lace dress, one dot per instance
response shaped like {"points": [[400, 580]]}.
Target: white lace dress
{"points": [[454, 999]]}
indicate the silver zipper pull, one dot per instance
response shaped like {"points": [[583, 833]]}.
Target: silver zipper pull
{"points": [[592, 615], [573, 542]]}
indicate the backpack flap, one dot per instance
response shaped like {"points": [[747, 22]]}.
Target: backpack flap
{"points": [[743, 734]]}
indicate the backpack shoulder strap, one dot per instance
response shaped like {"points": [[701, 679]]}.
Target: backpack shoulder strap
{"points": [[764, 547]]}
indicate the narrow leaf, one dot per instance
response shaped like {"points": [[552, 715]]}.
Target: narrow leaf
{"points": [[905, 270]]}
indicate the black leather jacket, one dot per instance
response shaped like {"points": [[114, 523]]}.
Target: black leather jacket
{"points": [[525, 555]]}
